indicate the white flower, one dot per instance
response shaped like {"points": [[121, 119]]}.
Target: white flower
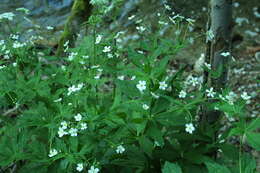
{"points": [[83, 126], [210, 92], [79, 167], [192, 80], [107, 49], [78, 117], [2, 66], [15, 37], [131, 17], [225, 54], [162, 22], [163, 85], [156, 144], [182, 94], [140, 51], [64, 124], [62, 132], [17, 44], [66, 43], [98, 39], [72, 55], [231, 97], [167, 7], [8, 16], [74, 88], [145, 107], [85, 57], [2, 42], [140, 28], [14, 64], [49, 28], [57, 100], [133, 78], [53, 152], [110, 55], [93, 170], [141, 86], [246, 97], [73, 132], [121, 77], [189, 128], [120, 149]]}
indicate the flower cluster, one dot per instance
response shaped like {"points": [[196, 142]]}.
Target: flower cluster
{"points": [[74, 128], [72, 55], [74, 88]]}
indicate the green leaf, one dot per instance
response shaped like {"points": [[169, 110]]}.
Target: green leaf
{"points": [[236, 131], [216, 168], [248, 164], [171, 168], [155, 133], [146, 145], [253, 125], [254, 140], [74, 144], [117, 98]]}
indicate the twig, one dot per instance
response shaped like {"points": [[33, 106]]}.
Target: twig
{"points": [[11, 110]]}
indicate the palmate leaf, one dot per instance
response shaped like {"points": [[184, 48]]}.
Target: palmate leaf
{"points": [[171, 168]]}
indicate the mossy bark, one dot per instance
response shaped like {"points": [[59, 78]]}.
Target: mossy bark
{"points": [[81, 11]]}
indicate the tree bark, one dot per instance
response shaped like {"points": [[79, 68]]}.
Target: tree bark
{"points": [[220, 23], [81, 11], [221, 27]]}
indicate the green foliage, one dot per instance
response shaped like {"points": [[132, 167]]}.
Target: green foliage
{"points": [[171, 168], [115, 109]]}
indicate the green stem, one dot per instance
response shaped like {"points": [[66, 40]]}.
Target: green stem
{"points": [[240, 154], [94, 62]]}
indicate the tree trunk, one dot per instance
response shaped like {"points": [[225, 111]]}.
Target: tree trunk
{"points": [[81, 11], [221, 25], [218, 49]]}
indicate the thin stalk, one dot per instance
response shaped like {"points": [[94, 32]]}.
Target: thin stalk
{"points": [[240, 154], [94, 62]]}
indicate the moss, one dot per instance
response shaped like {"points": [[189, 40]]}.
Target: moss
{"points": [[80, 12]]}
